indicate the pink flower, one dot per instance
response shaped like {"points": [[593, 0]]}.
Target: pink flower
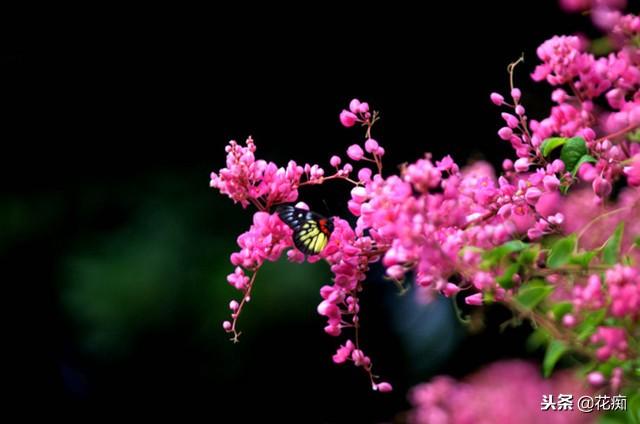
{"points": [[516, 94], [532, 195], [267, 238], [589, 296], [355, 152], [551, 182], [360, 359], [474, 299], [502, 393], [601, 187], [511, 121], [633, 172], [587, 172], [450, 289], [497, 99], [344, 352], [423, 175], [247, 180], [335, 161], [559, 95], [354, 106], [364, 175], [575, 5], [348, 119], [371, 145], [505, 133], [383, 387], [596, 378], [569, 321], [238, 279], [562, 60], [624, 289], [613, 342], [521, 165]]}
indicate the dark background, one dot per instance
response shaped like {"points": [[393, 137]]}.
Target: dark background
{"points": [[117, 249]]}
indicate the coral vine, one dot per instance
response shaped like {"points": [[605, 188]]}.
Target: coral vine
{"points": [[457, 230]]}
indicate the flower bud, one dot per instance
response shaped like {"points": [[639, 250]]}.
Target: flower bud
{"points": [[497, 99], [522, 165], [355, 152], [347, 118]]}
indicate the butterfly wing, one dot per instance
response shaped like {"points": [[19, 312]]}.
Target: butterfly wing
{"points": [[310, 239], [311, 231]]}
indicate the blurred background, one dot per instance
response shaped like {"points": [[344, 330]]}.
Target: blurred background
{"points": [[118, 250]]}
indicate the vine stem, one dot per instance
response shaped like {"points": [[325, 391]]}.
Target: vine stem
{"points": [[597, 218], [540, 320], [511, 70], [245, 298], [619, 132]]}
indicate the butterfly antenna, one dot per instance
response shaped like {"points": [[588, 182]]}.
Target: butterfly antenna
{"points": [[326, 207]]}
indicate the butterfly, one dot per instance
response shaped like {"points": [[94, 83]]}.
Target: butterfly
{"points": [[311, 231]]}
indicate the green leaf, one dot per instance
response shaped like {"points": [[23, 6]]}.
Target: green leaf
{"points": [[583, 259], [561, 251], [532, 293], [583, 159], [529, 255], [611, 250], [601, 46], [589, 324], [555, 350], [538, 338], [633, 408], [572, 151], [636, 242], [550, 144], [506, 279], [561, 309], [614, 417], [497, 253]]}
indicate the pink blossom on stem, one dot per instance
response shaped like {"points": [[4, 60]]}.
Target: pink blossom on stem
{"points": [[633, 172], [497, 99], [348, 119], [613, 342], [355, 152]]}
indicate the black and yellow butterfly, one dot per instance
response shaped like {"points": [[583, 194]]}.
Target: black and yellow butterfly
{"points": [[311, 231]]}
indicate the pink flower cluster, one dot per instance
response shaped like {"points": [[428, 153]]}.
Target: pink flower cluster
{"points": [[502, 393], [600, 220], [266, 240], [250, 181], [623, 284], [620, 294], [632, 171], [613, 80], [349, 256], [422, 219], [246, 179], [358, 112], [433, 220], [584, 82], [605, 14], [613, 341]]}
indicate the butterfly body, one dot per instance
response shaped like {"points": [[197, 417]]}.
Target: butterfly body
{"points": [[311, 231]]}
